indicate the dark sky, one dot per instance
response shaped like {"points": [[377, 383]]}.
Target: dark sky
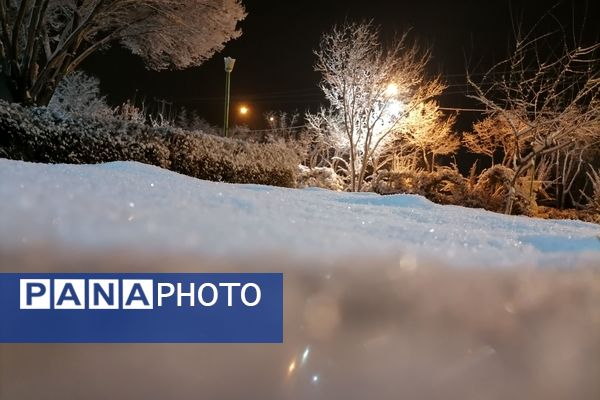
{"points": [[274, 69]]}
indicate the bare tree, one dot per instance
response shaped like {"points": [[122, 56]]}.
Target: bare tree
{"points": [[569, 162], [370, 89], [44, 40], [547, 95]]}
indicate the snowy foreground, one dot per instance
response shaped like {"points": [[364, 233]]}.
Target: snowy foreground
{"points": [[379, 302], [127, 205]]}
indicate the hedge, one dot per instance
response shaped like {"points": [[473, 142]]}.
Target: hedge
{"points": [[42, 135]]}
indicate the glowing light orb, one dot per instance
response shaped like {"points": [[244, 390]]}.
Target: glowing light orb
{"points": [[395, 108], [392, 90]]}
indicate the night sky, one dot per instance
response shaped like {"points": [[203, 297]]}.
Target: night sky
{"points": [[274, 69]]}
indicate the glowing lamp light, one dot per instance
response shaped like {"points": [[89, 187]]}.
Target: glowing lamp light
{"points": [[244, 110], [396, 107], [392, 90]]}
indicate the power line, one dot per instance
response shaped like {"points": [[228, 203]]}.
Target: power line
{"points": [[462, 109], [289, 128], [312, 95]]}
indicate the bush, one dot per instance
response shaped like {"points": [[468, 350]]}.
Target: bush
{"points": [[444, 186], [42, 135], [320, 177], [219, 159], [448, 186], [492, 190]]}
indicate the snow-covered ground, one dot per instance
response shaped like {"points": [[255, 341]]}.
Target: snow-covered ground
{"points": [[126, 205], [370, 312]]}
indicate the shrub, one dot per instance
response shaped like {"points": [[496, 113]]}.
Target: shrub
{"points": [[492, 191], [443, 186], [321, 177], [42, 135], [397, 182], [593, 204], [448, 186], [219, 159]]}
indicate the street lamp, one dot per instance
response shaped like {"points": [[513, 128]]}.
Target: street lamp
{"points": [[229, 63]]}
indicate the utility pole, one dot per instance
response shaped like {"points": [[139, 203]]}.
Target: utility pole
{"points": [[229, 63]]}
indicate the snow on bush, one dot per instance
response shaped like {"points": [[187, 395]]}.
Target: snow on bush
{"points": [[444, 186], [79, 94], [44, 135], [219, 159], [321, 177]]}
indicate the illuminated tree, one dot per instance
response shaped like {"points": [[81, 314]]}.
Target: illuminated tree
{"points": [[44, 40], [370, 88], [427, 131], [490, 136]]}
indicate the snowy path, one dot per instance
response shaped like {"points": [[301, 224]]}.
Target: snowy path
{"points": [[127, 205]]}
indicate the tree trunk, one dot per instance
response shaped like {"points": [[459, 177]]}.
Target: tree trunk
{"points": [[425, 160], [353, 166]]}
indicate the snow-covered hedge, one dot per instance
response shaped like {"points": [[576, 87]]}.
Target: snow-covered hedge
{"points": [[42, 135], [229, 160]]}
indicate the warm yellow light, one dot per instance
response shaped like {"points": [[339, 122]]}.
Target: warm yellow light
{"points": [[271, 119], [392, 90], [244, 110]]}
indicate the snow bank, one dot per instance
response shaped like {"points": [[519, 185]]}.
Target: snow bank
{"points": [[126, 205], [358, 323]]}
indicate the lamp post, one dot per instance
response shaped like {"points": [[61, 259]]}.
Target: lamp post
{"points": [[229, 63]]}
